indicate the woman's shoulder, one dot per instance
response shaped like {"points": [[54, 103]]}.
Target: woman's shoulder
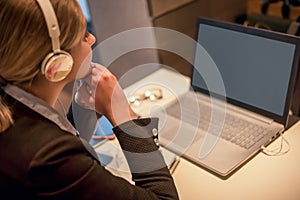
{"points": [[31, 123], [32, 132], [36, 153]]}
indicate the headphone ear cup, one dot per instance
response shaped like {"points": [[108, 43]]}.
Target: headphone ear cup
{"points": [[57, 66]]}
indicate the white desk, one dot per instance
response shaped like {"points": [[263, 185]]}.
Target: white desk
{"points": [[262, 178]]}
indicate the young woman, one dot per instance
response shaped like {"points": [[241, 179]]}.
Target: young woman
{"points": [[41, 155]]}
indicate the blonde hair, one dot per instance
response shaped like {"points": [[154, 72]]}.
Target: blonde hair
{"points": [[24, 41]]}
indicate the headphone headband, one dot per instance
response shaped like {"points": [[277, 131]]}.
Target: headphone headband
{"points": [[58, 64], [52, 24]]}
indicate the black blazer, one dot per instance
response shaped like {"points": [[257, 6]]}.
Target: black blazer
{"points": [[40, 161]]}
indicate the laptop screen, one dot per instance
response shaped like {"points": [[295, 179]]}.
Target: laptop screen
{"points": [[256, 66], [85, 9]]}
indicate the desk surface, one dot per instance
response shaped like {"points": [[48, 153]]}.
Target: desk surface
{"points": [[262, 178]]}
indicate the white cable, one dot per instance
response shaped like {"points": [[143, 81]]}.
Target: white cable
{"points": [[279, 150]]}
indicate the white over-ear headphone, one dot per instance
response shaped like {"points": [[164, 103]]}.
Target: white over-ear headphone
{"points": [[58, 64]]}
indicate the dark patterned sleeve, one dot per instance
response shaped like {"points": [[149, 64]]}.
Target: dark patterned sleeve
{"points": [[138, 140]]}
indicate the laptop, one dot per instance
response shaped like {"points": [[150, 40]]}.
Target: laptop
{"points": [[239, 100]]}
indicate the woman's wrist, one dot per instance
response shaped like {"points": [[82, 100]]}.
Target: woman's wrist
{"points": [[117, 118]]}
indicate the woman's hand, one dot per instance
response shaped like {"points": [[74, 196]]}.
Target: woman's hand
{"points": [[101, 91]]}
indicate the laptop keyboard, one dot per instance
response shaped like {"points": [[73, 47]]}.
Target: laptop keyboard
{"points": [[235, 130]]}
